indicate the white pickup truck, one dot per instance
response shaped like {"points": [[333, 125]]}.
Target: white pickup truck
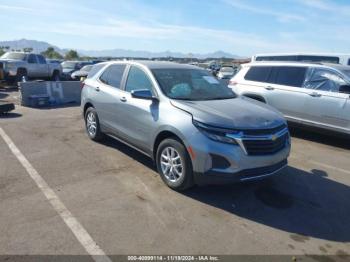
{"points": [[19, 66]]}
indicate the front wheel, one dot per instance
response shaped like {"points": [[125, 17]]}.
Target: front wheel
{"points": [[174, 165], [92, 125]]}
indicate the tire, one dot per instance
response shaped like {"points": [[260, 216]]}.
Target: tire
{"points": [[176, 177], [56, 76], [92, 125]]}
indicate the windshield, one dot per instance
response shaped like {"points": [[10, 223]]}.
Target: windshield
{"points": [[70, 65], [14, 56], [227, 70], [191, 84]]}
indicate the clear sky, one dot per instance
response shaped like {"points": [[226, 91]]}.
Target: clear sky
{"points": [[242, 27]]}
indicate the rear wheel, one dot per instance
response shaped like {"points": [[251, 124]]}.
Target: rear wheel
{"points": [[92, 125], [174, 165]]}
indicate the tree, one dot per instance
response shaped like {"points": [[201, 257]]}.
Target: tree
{"points": [[51, 53], [28, 49], [71, 55], [2, 51]]}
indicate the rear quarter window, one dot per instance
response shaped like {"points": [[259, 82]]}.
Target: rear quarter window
{"points": [[258, 73], [95, 69]]}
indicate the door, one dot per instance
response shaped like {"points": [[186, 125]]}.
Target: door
{"points": [[107, 96], [284, 90], [138, 116], [32, 66], [325, 105]]}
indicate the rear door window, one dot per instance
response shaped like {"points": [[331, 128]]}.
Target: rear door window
{"points": [[32, 59], [289, 76], [113, 75], [258, 73]]}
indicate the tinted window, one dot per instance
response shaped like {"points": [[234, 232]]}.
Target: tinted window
{"points": [[349, 62], [324, 80], [137, 80], [276, 58], [289, 76], [258, 73], [113, 75], [325, 59], [41, 59], [32, 59]]}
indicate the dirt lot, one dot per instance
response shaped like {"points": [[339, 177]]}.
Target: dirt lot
{"points": [[116, 195]]}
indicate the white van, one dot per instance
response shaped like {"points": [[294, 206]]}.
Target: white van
{"points": [[343, 59]]}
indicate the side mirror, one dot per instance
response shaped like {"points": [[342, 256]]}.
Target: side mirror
{"points": [[143, 94], [345, 89]]}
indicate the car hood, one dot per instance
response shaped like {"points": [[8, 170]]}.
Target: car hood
{"points": [[237, 113]]}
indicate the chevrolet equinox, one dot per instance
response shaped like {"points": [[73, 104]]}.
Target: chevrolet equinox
{"points": [[195, 129]]}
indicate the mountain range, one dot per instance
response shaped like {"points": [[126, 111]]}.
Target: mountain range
{"points": [[40, 46]]}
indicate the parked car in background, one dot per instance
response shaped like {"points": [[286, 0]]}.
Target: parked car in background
{"points": [[71, 66], [82, 73], [226, 72], [343, 59], [311, 94], [195, 129], [19, 66]]}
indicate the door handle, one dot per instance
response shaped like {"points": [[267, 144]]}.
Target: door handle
{"points": [[123, 99], [270, 88], [315, 94], [97, 89]]}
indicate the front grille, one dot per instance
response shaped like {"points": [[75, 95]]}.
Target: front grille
{"points": [[265, 147], [259, 132]]}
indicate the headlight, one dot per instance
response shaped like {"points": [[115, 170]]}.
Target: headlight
{"points": [[216, 133]]}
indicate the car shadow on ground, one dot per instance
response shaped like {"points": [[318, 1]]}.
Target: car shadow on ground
{"points": [[66, 105], [321, 136], [304, 204], [9, 115]]}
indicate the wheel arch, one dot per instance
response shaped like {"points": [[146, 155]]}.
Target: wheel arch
{"points": [[257, 97], [162, 135]]}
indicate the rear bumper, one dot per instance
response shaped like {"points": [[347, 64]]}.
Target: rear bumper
{"points": [[214, 177]]}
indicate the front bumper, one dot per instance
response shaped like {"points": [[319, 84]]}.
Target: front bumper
{"points": [[220, 163], [217, 177]]}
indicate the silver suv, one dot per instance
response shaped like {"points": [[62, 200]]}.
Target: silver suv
{"points": [[311, 94], [195, 129]]}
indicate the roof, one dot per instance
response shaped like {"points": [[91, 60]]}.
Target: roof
{"points": [[156, 64], [307, 54], [309, 64]]}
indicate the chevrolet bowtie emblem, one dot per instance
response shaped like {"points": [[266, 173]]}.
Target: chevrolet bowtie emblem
{"points": [[273, 137]]}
